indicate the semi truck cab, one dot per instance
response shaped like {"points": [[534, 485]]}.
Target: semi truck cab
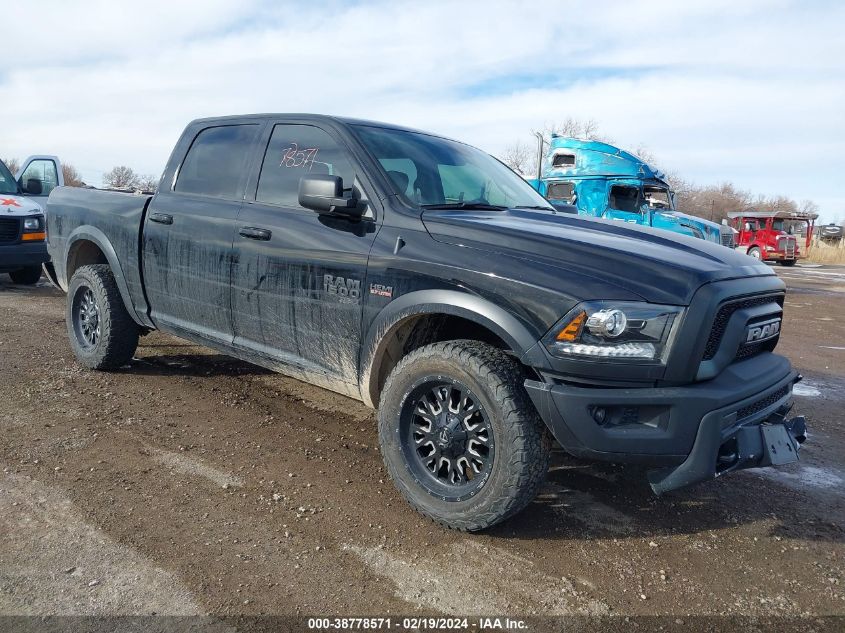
{"points": [[779, 236], [607, 182]]}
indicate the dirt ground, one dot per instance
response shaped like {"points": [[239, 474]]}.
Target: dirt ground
{"points": [[192, 483]]}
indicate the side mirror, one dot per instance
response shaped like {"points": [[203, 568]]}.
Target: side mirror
{"points": [[324, 194], [33, 187]]}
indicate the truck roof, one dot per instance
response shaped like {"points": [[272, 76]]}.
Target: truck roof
{"points": [[787, 215], [595, 158], [316, 118]]}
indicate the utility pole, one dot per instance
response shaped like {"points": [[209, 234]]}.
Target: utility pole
{"points": [[541, 142]]}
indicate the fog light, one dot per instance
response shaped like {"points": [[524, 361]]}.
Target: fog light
{"points": [[599, 414]]}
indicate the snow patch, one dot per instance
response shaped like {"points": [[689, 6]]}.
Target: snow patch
{"points": [[813, 476], [806, 390]]}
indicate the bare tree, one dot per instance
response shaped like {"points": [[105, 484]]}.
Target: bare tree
{"points": [[121, 177], [71, 176], [808, 206], [576, 128], [147, 182], [645, 154], [520, 157], [13, 164]]}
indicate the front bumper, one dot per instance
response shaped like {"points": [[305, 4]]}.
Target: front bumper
{"points": [[782, 256], [22, 255], [689, 433]]}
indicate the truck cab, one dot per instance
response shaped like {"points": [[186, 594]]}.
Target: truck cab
{"points": [[607, 182], [22, 222], [778, 236]]}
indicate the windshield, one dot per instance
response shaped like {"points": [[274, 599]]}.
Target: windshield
{"points": [[428, 170], [657, 197], [7, 180], [793, 227]]}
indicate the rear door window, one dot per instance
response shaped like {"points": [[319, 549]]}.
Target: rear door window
{"points": [[295, 151], [215, 163]]}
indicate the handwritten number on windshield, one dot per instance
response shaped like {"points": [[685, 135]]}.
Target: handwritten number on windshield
{"points": [[292, 156]]}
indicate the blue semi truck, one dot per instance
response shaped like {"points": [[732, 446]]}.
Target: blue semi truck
{"points": [[603, 181]]}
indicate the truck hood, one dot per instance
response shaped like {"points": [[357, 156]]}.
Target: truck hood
{"points": [[658, 266], [15, 205]]}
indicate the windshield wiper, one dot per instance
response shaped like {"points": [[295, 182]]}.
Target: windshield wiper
{"points": [[485, 206]]}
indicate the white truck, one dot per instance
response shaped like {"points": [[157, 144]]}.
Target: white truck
{"points": [[23, 198]]}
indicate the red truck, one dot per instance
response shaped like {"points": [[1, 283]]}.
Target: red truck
{"points": [[773, 235]]}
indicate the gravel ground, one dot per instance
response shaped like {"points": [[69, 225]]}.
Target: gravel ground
{"points": [[191, 483]]}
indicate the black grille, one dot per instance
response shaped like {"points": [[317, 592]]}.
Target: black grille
{"points": [[9, 229], [756, 407], [752, 349], [728, 239], [724, 314]]}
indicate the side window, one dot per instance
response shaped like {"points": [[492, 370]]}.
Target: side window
{"points": [[43, 170], [403, 173], [563, 159], [295, 151], [564, 191], [465, 183], [624, 199], [215, 162]]}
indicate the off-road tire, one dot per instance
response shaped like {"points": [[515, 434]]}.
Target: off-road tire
{"points": [[788, 262], [28, 276], [118, 333], [522, 442], [755, 253]]}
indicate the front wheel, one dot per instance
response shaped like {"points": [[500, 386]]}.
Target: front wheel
{"points": [[101, 332], [459, 435], [28, 276], [755, 253]]}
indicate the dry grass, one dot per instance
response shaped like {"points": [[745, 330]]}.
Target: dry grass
{"points": [[821, 253]]}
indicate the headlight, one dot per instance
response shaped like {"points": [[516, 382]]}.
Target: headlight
{"points": [[615, 331], [31, 224]]}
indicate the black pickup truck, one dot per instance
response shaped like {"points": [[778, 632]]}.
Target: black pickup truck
{"points": [[423, 277]]}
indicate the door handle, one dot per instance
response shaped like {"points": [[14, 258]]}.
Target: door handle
{"points": [[255, 234], [161, 218]]}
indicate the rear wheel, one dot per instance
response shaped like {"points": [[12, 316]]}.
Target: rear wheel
{"points": [[755, 253], [28, 276], [459, 435], [101, 332]]}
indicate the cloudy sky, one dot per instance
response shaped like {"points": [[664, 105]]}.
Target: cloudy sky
{"points": [[751, 91]]}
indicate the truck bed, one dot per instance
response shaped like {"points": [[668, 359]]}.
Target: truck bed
{"points": [[79, 219]]}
